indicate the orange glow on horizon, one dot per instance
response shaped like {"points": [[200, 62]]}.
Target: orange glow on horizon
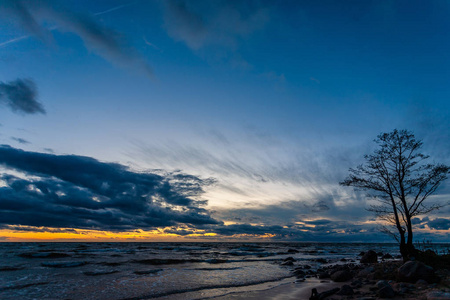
{"points": [[42, 234]]}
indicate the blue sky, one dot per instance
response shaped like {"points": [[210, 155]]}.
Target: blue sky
{"points": [[272, 100]]}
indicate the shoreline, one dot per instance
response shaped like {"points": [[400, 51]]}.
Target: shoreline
{"points": [[365, 285], [287, 291]]}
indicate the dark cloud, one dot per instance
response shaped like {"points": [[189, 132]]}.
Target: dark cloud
{"points": [[31, 15], [81, 192], [435, 224], [332, 231], [41, 229], [439, 224], [21, 96], [20, 140]]}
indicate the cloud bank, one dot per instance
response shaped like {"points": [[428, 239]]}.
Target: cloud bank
{"points": [[20, 96], [81, 192], [31, 15]]}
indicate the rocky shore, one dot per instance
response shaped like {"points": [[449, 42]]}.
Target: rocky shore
{"points": [[377, 276]]}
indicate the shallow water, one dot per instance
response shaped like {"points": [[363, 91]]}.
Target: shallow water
{"points": [[158, 270]]}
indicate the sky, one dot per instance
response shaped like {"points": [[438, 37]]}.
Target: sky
{"points": [[212, 120]]}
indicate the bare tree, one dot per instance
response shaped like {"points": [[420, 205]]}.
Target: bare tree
{"points": [[399, 178]]}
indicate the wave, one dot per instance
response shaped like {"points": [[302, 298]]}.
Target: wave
{"points": [[21, 286], [97, 273], [218, 286], [43, 255], [146, 272], [64, 264], [214, 269]]}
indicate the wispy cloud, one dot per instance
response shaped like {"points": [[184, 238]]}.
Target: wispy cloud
{"points": [[261, 165], [104, 41], [222, 24], [21, 96], [20, 140]]}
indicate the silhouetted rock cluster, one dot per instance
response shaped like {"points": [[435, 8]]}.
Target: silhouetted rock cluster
{"points": [[374, 280], [369, 257]]}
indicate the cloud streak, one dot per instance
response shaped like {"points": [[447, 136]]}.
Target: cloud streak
{"points": [[106, 42], [20, 140], [80, 192], [218, 25], [20, 96]]}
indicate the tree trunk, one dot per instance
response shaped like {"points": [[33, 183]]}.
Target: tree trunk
{"points": [[403, 247], [409, 244]]}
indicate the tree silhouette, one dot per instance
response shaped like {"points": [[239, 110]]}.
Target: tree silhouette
{"points": [[399, 178]]}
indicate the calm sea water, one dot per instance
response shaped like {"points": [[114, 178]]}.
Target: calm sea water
{"points": [[158, 270]]}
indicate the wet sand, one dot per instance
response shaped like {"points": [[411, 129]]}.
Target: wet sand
{"points": [[293, 290]]}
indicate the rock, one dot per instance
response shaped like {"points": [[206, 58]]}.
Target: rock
{"points": [[341, 276], [361, 253], [412, 271], [322, 260], [438, 295], [290, 258], [421, 283], [366, 271], [369, 257], [323, 275], [386, 292], [316, 296], [386, 256], [346, 290], [288, 261], [299, 273], [357, 283], [382, 283]]}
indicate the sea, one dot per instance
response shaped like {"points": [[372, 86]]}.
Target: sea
{"points": [[162, 270]]}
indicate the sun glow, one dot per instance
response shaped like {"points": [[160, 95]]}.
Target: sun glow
{"points": [[44, 234]]}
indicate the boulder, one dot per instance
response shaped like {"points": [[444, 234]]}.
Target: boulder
{"points": [[369, 257], [421, 283], [299, 273], [382, 283], [321, 260], [386, 256], [412, 271], [288, 261], [438, 295], [319, 296], [341, 276], [365, 272], [323, 275], [346, 290], [386, 292], [290, 258]]}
